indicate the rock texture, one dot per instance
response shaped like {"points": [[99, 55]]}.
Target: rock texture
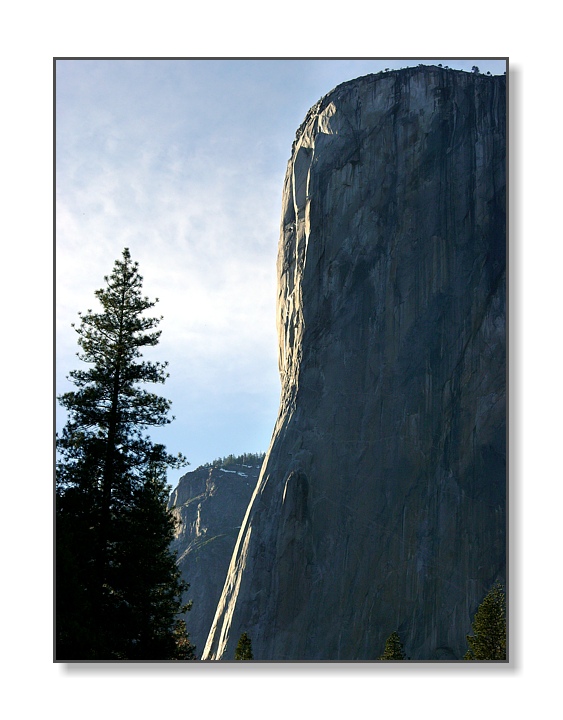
{"points": [[210, 503], [381, 503]]}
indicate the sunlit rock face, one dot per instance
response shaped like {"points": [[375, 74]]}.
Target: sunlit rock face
{"points": [[381, 503], [210, 503]]}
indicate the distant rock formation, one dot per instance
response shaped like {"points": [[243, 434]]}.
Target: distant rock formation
{"points": [[381, 504], [210, 502]]}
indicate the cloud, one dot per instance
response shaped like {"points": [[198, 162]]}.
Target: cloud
{"points": [[200, 214]]}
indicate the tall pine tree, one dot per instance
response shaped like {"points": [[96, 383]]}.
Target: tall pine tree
{"points": [[118, 588]]}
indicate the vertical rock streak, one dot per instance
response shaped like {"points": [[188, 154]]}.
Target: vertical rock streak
{"points": [[381, 503]]}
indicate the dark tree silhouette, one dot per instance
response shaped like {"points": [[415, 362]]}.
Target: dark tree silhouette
{"points": [[118, 591]]}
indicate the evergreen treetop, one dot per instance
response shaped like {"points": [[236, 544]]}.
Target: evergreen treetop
{"points": [[393, 648], [244, 648], [488, 641]]}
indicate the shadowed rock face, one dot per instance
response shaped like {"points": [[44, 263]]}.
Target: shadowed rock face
{"points": [[381, 503], [210, 502]]}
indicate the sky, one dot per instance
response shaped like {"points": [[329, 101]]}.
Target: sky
{"points": [[183, 161]]}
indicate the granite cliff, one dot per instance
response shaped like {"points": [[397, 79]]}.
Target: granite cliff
{"points": [[210, 503], [381, 502]]}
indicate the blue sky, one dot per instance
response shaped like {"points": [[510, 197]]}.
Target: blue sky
{"points": [[183, 162]]}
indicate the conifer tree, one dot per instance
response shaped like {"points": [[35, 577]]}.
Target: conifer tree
{"points": [[393, 648], [244, 648], [488, 641], [118, 588]]}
